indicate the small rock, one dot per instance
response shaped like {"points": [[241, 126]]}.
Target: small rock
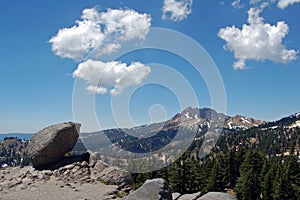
{"points": [[113, 175], [176, 195], [100, 166], [84, 164], [93, 158], [68, 167], [27, 181]]}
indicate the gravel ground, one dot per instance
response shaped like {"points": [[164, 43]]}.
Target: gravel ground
{"points": [[53, 191]]}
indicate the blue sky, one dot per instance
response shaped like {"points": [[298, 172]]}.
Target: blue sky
{"points": [[42, 57]]}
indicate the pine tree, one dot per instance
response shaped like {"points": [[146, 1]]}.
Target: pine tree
{"points": [[249, 184], [268, 182], [282, 187], [232, 168], [287, 184], [175, 172], [215, 181], [293, 175]]}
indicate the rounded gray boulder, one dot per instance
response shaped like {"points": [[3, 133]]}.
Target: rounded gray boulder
{"points": [[48, 146], [155, 189]]}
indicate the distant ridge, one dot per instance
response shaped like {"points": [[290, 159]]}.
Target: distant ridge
{"points": [[199, 122], [23, 136]]}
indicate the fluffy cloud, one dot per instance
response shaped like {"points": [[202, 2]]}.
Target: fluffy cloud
{"points": [[285, 3], [77, 41], [177, 9], [114, 76], [102, 32], [128, 23], [257, 41]]}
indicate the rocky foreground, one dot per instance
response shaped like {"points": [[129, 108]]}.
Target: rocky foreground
{"points": [[64, 177], [53, 175], [74, 181], [79, 181]]}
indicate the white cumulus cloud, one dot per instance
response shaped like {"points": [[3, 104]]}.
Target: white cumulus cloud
{"points": [[113, 76], [176, 10], [128, 23], [102, 32], [257, 40], [285, 3]]}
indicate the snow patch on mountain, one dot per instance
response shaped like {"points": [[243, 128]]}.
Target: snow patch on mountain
{"points": [[229, 125], [295, 124], [187, 115], [245, 120]]}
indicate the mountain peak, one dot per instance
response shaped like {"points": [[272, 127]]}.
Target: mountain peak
{"points": [[190, 113], [242, 122], [197, 113], [191, 116]]}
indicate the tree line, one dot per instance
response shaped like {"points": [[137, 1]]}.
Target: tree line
{"points": [[248, 173]]}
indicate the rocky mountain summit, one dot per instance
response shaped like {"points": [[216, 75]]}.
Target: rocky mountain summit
{"points": [[191, 120], [207, 116]]}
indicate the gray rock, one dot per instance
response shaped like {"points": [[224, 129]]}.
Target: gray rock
{"points": [[100, 166], [94, 157], [194, 196], [112, 175], [156, 189], [217, 196], [176, 195], [74, 173], [49, 145]]}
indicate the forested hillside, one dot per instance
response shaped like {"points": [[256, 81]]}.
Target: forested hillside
{"points": [[13, 152], [258, 163], [247, 173]]}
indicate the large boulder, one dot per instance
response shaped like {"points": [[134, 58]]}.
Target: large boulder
{"points": [[155, 189], [217, 196], [48, 146]]}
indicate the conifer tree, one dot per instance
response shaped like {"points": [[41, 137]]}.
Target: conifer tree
{"points": [[232, 168], [175, 172], [249, 184], [287, 185], [248, 187], [215, 182], [268, 182]]}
